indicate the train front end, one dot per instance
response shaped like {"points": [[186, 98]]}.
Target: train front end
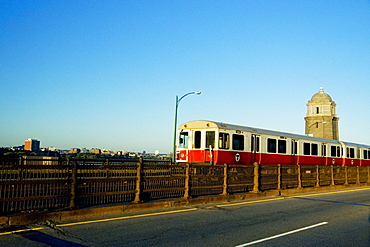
{"points": [[196, 142]]}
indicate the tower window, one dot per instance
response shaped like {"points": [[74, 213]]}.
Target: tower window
{"points": [[317, 110]]}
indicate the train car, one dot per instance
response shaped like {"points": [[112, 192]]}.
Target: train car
{"points": [[356, 154], [220, 143]]}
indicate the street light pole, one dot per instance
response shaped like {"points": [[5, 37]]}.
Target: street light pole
{"points": [[175, 128]]}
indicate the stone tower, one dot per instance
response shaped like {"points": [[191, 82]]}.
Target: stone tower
{"points": [[321, 118]]}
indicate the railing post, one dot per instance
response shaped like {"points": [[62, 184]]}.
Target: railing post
{"points": [[279, 177], [106, 164], [346, 175], [299, 177], [317, 176], [20, 160], [187, 179], [72, 202], [332, 175], [138, 180], [358, 176], [257, 177], [225, 186], [20, 169]]}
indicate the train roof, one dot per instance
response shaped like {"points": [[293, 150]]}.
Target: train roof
{"points": [[219, 125], [356, 144]]}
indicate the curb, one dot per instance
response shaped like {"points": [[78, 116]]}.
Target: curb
{"points": [[24, 219]]}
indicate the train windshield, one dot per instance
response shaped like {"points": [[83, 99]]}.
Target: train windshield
{"points": [[183, 140]]}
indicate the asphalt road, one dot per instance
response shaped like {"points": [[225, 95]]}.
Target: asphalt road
{"points": [[336, 218]]}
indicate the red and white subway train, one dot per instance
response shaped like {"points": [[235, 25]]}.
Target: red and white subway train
{"points": [[221, 143]]}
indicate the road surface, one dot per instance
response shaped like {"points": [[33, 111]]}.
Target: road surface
{"points": [[335, 218]]}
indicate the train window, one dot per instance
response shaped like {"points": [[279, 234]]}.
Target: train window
{"points": [[255, 147], [314, 149], [310, 149], [197, 139], [271, 145], [365, 154], [333, 151], [282, 146], [352, 153], [210, 139], [238, 142], [306, 148], [183, 139], [223, 141]]}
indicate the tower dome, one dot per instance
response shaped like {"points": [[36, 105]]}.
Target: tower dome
{"points": [[321, 96]]}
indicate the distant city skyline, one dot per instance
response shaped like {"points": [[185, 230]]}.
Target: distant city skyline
{"points": [[33, 144], [106, 74]]}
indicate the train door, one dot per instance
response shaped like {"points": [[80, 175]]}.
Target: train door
{"points": [[294, 152], [358, 156], [197, 154], [324, 157], [343, 151], [255, 149], [210, 144]]}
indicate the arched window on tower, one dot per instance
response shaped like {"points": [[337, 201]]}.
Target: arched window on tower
{"points": [[317, 110]]}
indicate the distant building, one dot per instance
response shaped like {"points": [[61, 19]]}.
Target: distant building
{"points": [[321, 119], [32, 145], [107, 152], [16, 148], [49, 152], [95, 151], [53, 149], [120, 153], [74, 151]]}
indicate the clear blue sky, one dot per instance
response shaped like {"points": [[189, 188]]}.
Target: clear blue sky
{"points": [[106, 73]]}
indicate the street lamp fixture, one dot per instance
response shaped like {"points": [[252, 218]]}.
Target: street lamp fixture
{"points": [[178, 100]]}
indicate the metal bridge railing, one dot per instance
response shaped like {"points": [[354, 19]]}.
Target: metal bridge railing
{"points": [[42, 183]]}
